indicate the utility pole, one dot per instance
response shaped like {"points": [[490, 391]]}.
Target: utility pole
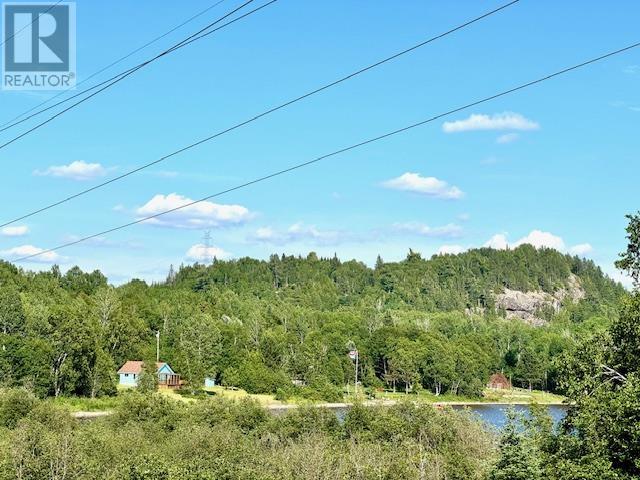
{"points": [[157, 346], [355, 389], [354, 355]]}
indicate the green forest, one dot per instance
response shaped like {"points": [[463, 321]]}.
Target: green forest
{"points": [[419, 324]]}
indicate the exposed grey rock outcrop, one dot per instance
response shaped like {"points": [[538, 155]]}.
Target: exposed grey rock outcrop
{"points": [[528, 306], [574, 290]]}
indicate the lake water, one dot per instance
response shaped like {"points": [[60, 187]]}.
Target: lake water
{"points": [[496, 415], [493, 415]]}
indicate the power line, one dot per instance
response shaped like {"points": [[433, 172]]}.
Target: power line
{"points": [[112, 64], [122, 75], [258, 116], [338, 152], [32, 22], [9, 125]]}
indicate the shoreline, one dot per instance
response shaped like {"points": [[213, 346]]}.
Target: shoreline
{"points": [[92, 415], [388, 403]]}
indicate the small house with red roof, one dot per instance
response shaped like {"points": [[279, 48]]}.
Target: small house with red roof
{"points": [[130, 372], [498, 381]]}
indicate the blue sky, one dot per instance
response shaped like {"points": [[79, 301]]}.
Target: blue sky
{"points": [[555, 165]]}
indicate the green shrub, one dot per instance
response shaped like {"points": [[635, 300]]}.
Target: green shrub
{"points": [[247, 414], [152, 437], [306, 420], [283, 394], [15, 403], [321, 390], [153, 408], [148, 379], [149, 467], [255, 377]]}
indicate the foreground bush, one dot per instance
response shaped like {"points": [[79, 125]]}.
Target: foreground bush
{"points": [[15, 403], [151, 438]]}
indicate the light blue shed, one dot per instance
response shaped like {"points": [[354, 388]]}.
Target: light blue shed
{"points": [[209, 382]]}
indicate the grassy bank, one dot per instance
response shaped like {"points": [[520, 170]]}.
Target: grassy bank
{"points": [[521, 395], [82, 404], [513, 396]]}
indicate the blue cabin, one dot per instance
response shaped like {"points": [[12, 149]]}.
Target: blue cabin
{"points": [[130, 372]]}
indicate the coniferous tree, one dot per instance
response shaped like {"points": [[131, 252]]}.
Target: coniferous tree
{"points": [[518, 458]]}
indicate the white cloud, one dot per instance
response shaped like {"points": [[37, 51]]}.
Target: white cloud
{"points": [[299, 232], [540, 239], [202, 253], [631, 69], [450, 230], [619, 276], [77, 170], [310, 234], [498, 241], [14, 231], [104, 242], [464, 217], [26, 250], [581, 249], [450, 249], [430, 186], [498, 121], [199, 215], [507, 138], [628, 106], [266, 234]]}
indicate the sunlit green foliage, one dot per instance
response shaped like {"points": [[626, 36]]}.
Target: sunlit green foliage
{"points": [[265, 325], [600, 438], [151, 437]]}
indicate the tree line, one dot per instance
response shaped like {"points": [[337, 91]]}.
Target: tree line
{"points": [[418, 324]]}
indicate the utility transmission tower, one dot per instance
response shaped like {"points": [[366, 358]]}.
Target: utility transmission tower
{"points": [[206, 241]]}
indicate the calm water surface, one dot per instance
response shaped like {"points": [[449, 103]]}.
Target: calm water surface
{"points": [[493, 415], [496, 415]]}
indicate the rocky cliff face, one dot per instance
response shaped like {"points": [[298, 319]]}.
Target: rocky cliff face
{"points": [[528, 306]]}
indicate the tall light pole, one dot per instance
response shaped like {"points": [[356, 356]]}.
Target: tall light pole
{"points": [[157, 346], [355, 389]]}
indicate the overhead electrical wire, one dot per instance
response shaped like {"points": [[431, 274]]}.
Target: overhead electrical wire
{"points": [[260, 115], [337, 152], [32, 22], [110, 65], [122, 75]]}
